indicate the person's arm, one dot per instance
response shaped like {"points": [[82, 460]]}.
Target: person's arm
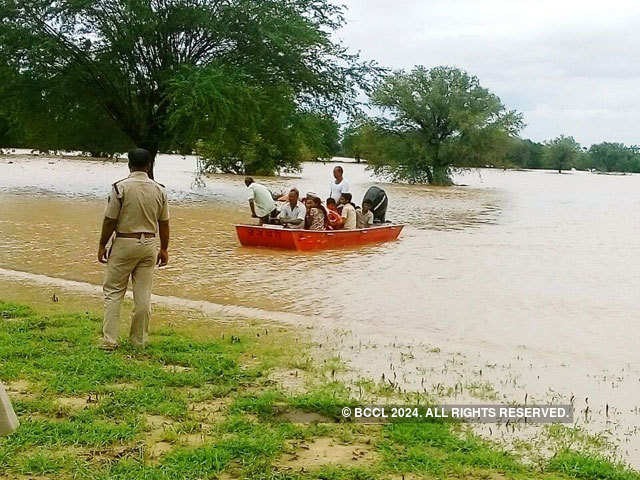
{"points": [[110, 222], [163, 254], [253, 208], [108, 227], [302, 213]]}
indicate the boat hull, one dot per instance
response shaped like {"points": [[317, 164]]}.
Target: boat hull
{"points": [[306, 240]]}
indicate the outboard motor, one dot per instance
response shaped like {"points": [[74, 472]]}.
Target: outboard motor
{"points": [[378, 199]]}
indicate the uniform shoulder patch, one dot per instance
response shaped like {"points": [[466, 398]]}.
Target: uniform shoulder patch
{"points": [[115, 186]]}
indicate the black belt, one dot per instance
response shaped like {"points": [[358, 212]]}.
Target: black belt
{"points": [[135, 235]]}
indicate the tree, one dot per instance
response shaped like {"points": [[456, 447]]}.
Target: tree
{"points": [[437, 119], [359, 138], [524, 153], [610, 157], [561, 153], [128, 58]]}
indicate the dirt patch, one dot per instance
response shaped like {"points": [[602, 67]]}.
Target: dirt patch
{"points": [[73, 403], [407, 476], [210, 411], [193, 439], [19, 389], [158, 449], [299, 416], [291, 380], [326, 451], [157, 422], [176, 368], [120, 386]]}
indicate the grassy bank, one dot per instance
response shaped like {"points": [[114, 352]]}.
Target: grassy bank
{"points": [[224, 403]]}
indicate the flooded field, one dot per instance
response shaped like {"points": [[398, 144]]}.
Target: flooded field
{"points": [[526, 282]]}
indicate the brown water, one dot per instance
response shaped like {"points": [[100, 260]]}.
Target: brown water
{"points": [[525, 280]]}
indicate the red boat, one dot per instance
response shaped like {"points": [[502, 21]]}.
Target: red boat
{"points": [[274, 236]]}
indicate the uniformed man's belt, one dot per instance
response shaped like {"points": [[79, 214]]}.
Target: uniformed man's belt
{"points": [[135, 235]]}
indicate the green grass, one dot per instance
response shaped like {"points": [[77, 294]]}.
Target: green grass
{"points": [[91, 414]]}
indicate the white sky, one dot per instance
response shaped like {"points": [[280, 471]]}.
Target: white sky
{"points": [[572, 67]]}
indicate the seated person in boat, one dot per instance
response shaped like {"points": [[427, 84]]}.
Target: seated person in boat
{"points": [[316, 218], [364, 216], [333, 215], [260, 201], [293, 213], [348, 212]]}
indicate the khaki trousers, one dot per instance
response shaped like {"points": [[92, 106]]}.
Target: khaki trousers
{"points": [[8, 420], [136, 258]]}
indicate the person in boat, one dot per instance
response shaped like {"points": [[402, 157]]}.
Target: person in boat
{"points": [[364, 216], [333, 215], [339, 185], [348, 212], [293, 212], [261, 201], [316, 218]]}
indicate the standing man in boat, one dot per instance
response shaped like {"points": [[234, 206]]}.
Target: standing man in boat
{"points": [[339, 185], [136, 211], [260, 201]]}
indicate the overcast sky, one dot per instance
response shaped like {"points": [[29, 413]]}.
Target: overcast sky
{"points": [[572, 67]]}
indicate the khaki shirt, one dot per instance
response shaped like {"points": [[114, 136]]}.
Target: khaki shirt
{"points": [[138, 203]]}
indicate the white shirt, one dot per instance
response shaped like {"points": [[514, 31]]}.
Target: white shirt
{"points": [[288, 213], [262, 199], [349, 214], [338, 189]]}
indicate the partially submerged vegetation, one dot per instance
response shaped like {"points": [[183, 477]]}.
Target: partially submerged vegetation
{"points": [[230, 403]]}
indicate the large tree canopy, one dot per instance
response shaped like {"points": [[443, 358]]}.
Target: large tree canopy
{"points": [[435, 119], [561, 153], [130, 65]]}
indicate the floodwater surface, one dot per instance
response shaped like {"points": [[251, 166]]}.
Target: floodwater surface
{"points": [[525, 280]]}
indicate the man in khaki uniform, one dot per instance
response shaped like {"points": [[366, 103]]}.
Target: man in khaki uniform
{"points": [[136, 211]]}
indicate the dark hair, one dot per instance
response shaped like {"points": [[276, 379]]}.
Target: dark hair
{"points": [[331, 201], [338, 167], [139, 158], [317, 204], [347, 196], [297, 192], [368, 202], [248, 181]]}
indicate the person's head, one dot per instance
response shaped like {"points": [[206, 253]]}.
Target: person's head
{"points": [[331, 203], [345, 198], [309, 203], [139, 160], [248, 181], [337, 172], [366, 206], [294, 195]]}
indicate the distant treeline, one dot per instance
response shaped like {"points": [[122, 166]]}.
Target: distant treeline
{"points": [[603, 157]]}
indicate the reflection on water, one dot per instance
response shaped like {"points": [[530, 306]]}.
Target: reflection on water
{"points": [[533, 271]]}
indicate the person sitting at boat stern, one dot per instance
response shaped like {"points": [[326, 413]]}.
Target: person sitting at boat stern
{"points": [[348, 212], [316, 218], [261, 202], [293, 213], [136, 212], [364, 216]]}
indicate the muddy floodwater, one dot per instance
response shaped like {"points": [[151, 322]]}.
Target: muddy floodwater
{"points": [[524, 281]]}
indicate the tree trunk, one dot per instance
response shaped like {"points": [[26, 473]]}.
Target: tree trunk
{"points": [[429, 176], [153, 150], [441, 176]]}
